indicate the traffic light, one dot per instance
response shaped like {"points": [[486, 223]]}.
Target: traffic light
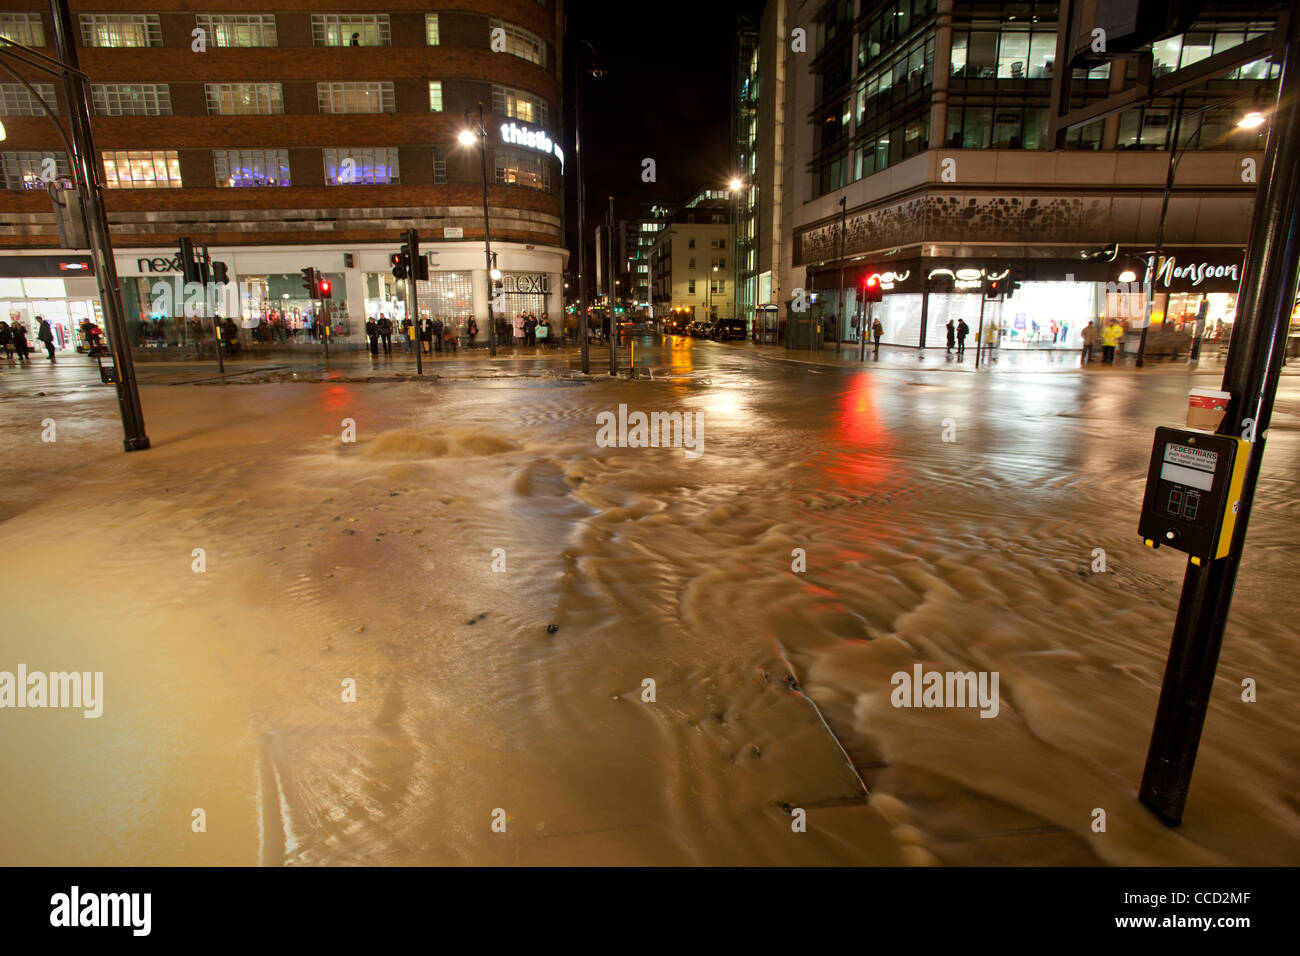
{"points": [[401, 263], [1012, 283], [994, 287], [189, 268], [416, 264], [219, 272], [324, 287], [309, 281], [872, 290]]}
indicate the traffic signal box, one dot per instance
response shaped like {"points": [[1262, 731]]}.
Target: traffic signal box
{"points": [[872, 290], [1193, 492]]}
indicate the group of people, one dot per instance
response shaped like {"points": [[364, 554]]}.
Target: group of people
{"points": [[1110, 337], [435, 335], [13, 338], [530, 330]]}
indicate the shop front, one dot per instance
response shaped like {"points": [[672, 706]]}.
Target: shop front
{"points": [[1194, 290], [60, 289]]}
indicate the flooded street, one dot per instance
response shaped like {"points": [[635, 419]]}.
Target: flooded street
{"points": [[508, 595]]}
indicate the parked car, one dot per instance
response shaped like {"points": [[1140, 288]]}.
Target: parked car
{"points": [[723, 330], [697, 330]]}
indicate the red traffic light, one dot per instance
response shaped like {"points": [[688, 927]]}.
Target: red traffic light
{"points": [[324, 288], [872, 288]]}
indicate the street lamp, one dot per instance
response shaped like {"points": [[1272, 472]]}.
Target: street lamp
{"points": [[87, 175], [1252, 120], [595, 71], [467, 137]]}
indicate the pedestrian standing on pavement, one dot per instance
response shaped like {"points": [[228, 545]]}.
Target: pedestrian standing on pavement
{"points": [[1110, 339], [7, 340], [46, 335], [385, 325], [963, 330], [1089, 337], [372, 334], [1065, 330], [426, 335], [471, 331], [437, 334], [519, 329], [952, 335], [1054, 329], [877, 331], [408, 335], [530, 330]]}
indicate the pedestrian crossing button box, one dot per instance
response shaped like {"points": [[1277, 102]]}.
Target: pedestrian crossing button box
{"points": [[1193, 492]]}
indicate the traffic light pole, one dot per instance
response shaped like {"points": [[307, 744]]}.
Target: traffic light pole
{"points": [[979, 336], [1264, 303], [84, 158], [609, 290], [413, 294]]}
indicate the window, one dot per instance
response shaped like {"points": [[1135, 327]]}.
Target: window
{"points": [[238, 30], [516, 168], [435, 96], [439, 164], [251, 167], [120, 29], [240, 99], [25, 170], [718, 287], [692, 265], [719, 263], [690, 244], [142, 169], [361, 167], [135, 99], [520, 42], [517, 104], [372, 97], [431, 35], [362, 29], [16, 101], [24, 28], [690, 287]]}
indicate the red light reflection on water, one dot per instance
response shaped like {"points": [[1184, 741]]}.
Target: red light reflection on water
{"points": [[867, 464], [336, 397]]}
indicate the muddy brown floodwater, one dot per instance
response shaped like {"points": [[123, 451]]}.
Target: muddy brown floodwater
{"points": [[517, 694]]}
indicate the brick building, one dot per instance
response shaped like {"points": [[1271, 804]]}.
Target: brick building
{"points": [[283, 134]]}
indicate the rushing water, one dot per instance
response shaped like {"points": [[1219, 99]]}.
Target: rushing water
{"points": [[521, 690]]}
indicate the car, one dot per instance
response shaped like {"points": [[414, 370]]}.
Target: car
{"points": [[697, 330], [723, 330]]}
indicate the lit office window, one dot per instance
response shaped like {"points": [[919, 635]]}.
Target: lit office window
{"points": [[520, 105], [522, 43], [142, 169], [332, 29], [120, 29], [240, 99], [517, 168], [370, 97], [251, 167], [364, 166], [24, 28], [131, 99], [435, 96], [431, 34], [26, 170], [16, 101], [238, 29]]}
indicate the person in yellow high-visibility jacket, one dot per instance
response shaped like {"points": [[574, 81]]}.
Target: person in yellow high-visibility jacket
{"points": [[1110, 338]]}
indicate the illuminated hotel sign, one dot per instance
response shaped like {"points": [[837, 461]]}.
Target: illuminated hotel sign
{"points": [[533, 139]]}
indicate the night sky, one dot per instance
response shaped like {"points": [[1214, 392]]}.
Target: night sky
{"points": [[666, 95]]}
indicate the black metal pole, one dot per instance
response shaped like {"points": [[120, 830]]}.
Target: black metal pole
{"points": [[865, 324], [85, 162], [839, 329], [412, 283], [610, 273], [582, 213], [487, 231], [1264, 303], [979, 335], [1154, 266]]}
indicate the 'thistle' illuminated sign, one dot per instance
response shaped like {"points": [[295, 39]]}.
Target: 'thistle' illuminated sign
{"points": [[533, 139]]}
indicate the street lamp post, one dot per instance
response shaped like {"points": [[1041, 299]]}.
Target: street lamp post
{"points": [[1250, 121], [468, 137], [595, 71], [82, 155]]}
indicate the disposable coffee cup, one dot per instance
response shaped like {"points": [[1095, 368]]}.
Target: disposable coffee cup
{"points": [[1206, 408]]}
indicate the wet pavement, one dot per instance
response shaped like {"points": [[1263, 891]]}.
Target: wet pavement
{"points": [[621, 654]]}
